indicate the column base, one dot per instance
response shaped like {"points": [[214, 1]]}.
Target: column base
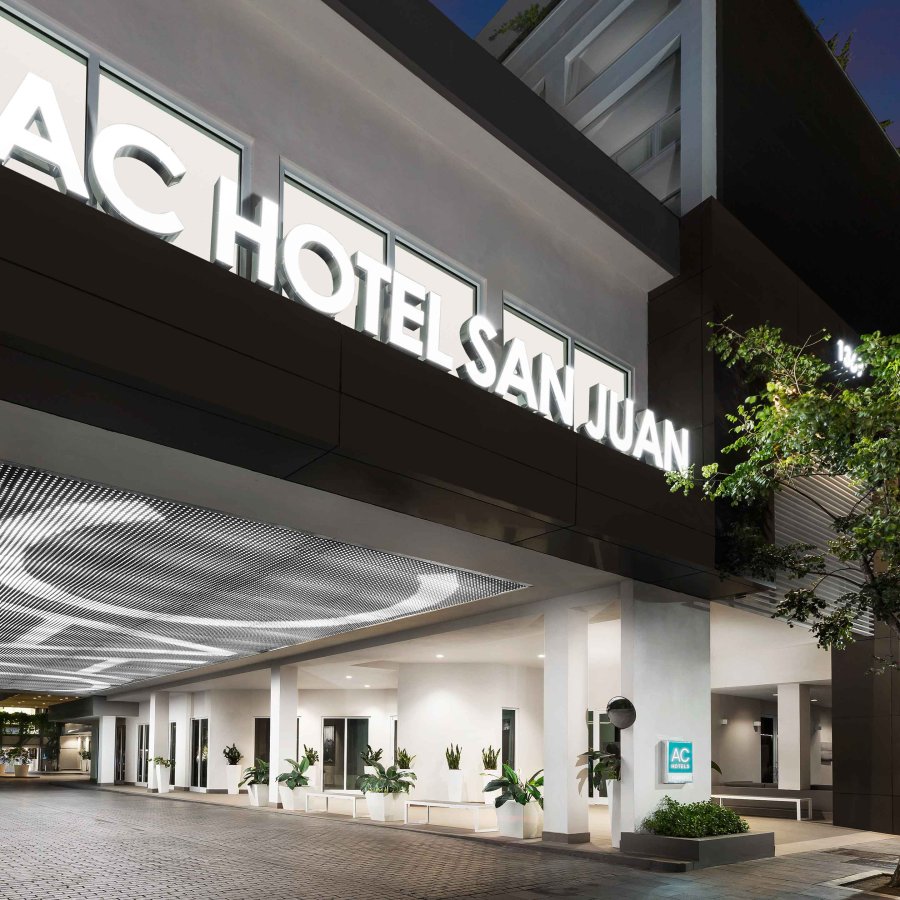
{"points": [[556, 837]]}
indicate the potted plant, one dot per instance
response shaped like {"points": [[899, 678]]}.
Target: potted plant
{"points": [[704, 833], [19, 760], [233, 756], [294, 784], [256, 778], [370, 758], [85, 760], [313, 756], [162, 764], [383, 790], [607, 764], [489, 759], [404, 760], [456, 785], [520, 806]]}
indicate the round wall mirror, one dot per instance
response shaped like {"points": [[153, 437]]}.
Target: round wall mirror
{"points": [[621, 712]]}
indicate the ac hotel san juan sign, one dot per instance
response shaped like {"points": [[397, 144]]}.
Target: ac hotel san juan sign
{"points": [[390, 304]]}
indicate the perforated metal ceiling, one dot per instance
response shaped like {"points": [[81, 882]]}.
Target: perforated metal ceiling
{"points": [[100, 587]]}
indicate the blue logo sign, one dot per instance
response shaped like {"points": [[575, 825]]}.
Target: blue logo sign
{"points": [[678, 762]]}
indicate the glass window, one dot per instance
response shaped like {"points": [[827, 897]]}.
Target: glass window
{"points": [[508, 738], [459, 297], [205, 156], [590, 369], [302, 206], [26, 50]]}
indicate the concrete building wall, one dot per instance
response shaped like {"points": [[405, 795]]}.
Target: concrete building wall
{"points": [[735, 746], [462, 704]]}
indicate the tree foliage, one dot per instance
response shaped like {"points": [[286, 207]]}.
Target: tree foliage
{"points": [[810, 418], [522, 23]]}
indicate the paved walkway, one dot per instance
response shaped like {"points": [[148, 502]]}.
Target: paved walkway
{"points": [[63, 843]]}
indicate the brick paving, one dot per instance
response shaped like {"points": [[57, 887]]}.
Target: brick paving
{"points": [[66, 844]]}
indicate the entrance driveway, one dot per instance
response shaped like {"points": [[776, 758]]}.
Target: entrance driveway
{"points": [[62, 843]]}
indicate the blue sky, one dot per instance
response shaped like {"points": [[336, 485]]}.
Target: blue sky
{"points": [[875, 68]]}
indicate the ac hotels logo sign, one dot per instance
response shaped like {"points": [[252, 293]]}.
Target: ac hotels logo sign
{"points": [[391, 306]]}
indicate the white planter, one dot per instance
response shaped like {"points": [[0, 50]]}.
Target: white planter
{"points": [[232, 778], [486, 776], [259, 794], [614, 794], [21, 771], [292, 800], [385, 807], [370, 770], [456, 786], [312, 773], [162, 779], [517, 821], [85, 765]]}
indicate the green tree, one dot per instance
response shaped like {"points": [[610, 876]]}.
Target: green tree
{"points": [[523, 23]]}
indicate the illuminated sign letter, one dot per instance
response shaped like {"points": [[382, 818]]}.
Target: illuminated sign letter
{"points": [[598, 413], [556, 398], [375, 276], [481, 369], [515, 374], [621, 423], [117, 141], [230, 228], [405, 315], [431, 333], [676, 448], [327, 248], [50, 151], [647, 440]]}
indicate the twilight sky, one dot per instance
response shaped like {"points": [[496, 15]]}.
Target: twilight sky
{"points": [[875, 68]]}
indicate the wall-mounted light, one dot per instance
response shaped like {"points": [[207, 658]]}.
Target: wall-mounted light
{"points": [[723, 721], [757, 726]]}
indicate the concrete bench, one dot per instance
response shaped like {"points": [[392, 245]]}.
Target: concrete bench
{"points": [[353, 796], [428, 805], [769, 799]]}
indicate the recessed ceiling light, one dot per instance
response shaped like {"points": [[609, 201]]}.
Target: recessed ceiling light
{"points": [[541, 655], [348, 676], [438, 655], [813, 700], [365, 685]]}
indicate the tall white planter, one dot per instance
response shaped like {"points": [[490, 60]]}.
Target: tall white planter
{"points": [[456, 786], [385, 807], [21, 771], [232, 779], [486, 776], [517, 821], [313, 774], [292, 800], [162, 779], [258, 794], [614, 794]]}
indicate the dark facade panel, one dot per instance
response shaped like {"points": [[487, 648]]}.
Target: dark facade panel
{"points": [[803, 163]]}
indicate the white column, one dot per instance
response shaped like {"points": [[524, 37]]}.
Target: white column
{"points": [[159, 734], [282, 724], [104, 748], [793, 737], [565, 732], [665, 674]]}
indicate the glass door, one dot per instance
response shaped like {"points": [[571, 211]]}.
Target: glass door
{"points": [[343, 740], [143, 749], [199, 752], [171, 753], [119, 762]]}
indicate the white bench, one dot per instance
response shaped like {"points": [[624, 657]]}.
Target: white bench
{"points": [[770, 799], [353, 796], [428, 805]]}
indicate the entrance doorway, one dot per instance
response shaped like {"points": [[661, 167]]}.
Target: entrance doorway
{"points": [[768, 750], [199, 752], [143, 749], [171, 753], [343, 740], [119, 761]]}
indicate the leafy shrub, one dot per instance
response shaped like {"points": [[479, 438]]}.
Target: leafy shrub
{"points": [[371, 757], [404, 759], [693, 820], [232, 755], [295, 778], [489, 757], [513, 789], [311, 754], [386, 781], [257, 774]]}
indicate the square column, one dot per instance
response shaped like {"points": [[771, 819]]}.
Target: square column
{"points": [[159, 735], [104, 750], [565, 734], [793, 737], [665, 674], [282, 725]]}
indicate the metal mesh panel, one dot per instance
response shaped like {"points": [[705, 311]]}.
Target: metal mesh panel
{"points": [[101, 587]]}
